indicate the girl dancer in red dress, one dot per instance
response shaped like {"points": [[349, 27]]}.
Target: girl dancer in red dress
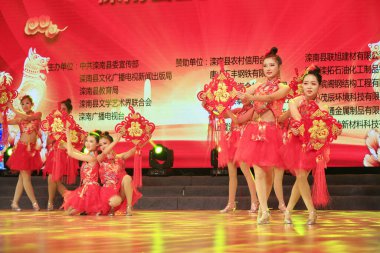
{"points": [[114, 178], [25, 157], [85, 199], [239, 118], [262, 138], [59, 166], [298, 160]]}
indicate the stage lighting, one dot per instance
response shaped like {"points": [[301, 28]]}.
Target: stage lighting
{"points": [[160, 160], [8, 152]]}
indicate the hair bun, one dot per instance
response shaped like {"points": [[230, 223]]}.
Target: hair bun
{"points": [[106, 133], [273, 50]]}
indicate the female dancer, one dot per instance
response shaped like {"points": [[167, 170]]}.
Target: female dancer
{"points": [[59, 166], [114, 178], [262, 138], [25, 157], [297, 160], [239, 118], [85, 199]]}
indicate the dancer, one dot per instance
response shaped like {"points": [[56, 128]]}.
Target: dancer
{"points": [[301, 161], [85, 199], [239, 118], [262, 138], [25, 158], [114, 179], [59, 166]]}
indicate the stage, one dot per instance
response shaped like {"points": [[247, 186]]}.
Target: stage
{"points": [[188, 231]]}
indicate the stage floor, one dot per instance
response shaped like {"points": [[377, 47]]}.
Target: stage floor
{"points": [[188, 231]]}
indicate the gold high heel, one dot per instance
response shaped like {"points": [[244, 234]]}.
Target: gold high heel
{"points": [[254, 207], [36, 207], [265, 218], [230, 207], [312, 218], [50, 206], [129, 211], [287, 217], [15, 207]]}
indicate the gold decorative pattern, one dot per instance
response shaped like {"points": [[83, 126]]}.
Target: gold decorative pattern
{"points": [[319, 130], [135, 130], [57, 125], [3, 98], [221, 95]]}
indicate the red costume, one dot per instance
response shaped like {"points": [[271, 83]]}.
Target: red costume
{"points": [[261, 140], [25, 155], [111, 175], [228, 148], [86, 198], [61, 166]]}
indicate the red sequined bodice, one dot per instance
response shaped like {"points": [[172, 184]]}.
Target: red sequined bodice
{"points": [[268, 88], [111, 170]]}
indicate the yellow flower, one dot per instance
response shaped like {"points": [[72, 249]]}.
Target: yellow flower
{"points": [[135, 129], [319, 130]]}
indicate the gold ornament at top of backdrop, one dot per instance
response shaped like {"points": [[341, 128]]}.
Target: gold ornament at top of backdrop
{"points": [[42, 24]]}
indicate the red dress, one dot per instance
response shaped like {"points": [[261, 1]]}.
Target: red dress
{"points": [[293, 153], [229, 147], [61, 166], [25, 156], [111, 175], [261, 141], [86, 198]]}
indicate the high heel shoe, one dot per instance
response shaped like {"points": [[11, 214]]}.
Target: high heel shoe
{"points": [[254, 207], [15, 207], [287, 217], [312, 218], [265, 218], [36, 207], [50, 206], [129, 211], [282, 207], [230, 207]]}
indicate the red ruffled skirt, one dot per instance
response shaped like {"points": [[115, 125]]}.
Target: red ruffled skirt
{"points": [[296, 158], [85, 198], [109, 191], [22, 159], [61, 167], [260, 145]]}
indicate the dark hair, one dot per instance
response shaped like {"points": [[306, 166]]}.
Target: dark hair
{"points": [[273, 54], [107, 136], [315, 71], [96, 134], [68, 105], [27, 97]]}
